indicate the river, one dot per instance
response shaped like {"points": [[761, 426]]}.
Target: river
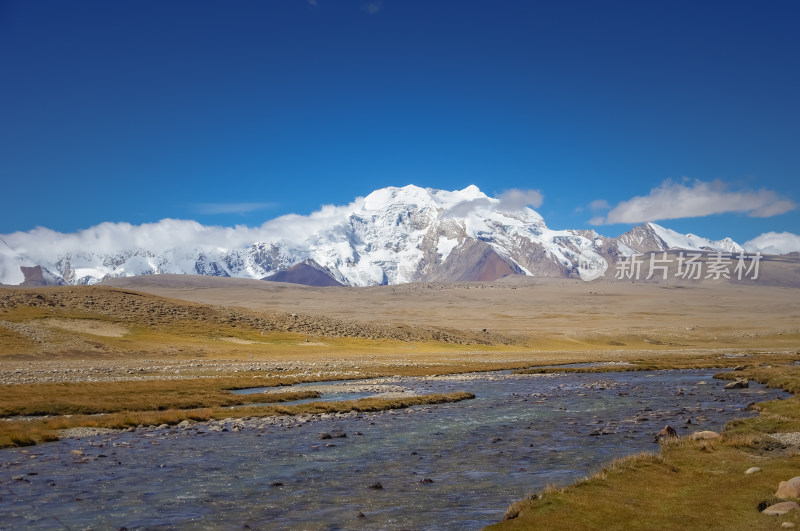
{"points": [[453, 466]]}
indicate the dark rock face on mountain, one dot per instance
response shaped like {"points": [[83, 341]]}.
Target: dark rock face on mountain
{"points": [[308, 273]]}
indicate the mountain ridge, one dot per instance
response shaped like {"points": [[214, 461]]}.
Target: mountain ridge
{"points": [[394, 235]]}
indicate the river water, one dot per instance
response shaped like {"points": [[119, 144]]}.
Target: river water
{"points": [[453, 466]]}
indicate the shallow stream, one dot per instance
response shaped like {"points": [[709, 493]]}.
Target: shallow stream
{"points": [[454, 466]]}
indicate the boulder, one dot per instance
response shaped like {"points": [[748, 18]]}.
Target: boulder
{"points": [[667, 433], [780, 508], [752, 470], [740, 383], [789, 490]]}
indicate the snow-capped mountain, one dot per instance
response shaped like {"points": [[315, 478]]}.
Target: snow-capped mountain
{"points": [[650, 237], [392, 236]]}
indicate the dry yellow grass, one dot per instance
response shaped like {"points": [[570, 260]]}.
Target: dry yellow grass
{"points": [[555, 314], [190, 316], [14, 342], [110, 397], [697, 485]]}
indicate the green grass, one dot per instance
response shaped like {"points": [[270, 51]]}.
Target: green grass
{"points": [[691, 485]]}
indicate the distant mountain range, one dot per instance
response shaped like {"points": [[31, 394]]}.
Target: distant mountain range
{"points": [[392, 236]]}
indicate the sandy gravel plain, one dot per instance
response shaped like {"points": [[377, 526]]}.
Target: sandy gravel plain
{"points": [[543, 310], [176, 326]]}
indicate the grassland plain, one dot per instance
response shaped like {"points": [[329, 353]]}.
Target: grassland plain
{"points": [[160, 350]]}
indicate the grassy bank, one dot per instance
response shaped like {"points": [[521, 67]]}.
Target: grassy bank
{"points": [[158, 395], [689, 484], [669, 361]]}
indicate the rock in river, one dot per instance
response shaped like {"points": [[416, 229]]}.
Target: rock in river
{"points": [[740, 383], [667, 433]]}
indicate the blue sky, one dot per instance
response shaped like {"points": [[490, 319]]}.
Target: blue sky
{"points": [[238, 112]]}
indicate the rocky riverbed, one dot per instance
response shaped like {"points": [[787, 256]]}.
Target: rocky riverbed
{"points": [[118, 370]]}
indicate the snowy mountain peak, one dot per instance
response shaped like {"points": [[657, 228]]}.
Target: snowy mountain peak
{"points": [[676, 240], [407, 195], [412, 195]]}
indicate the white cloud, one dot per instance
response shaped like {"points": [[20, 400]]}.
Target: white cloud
{"points": [[774, 243], [506, 201], [299, 228], [232, 208], [465, 208], [773, 209], [515, 199], [372, 7], [113, 238], [41, 244], [599, 204], [673, 200]]}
